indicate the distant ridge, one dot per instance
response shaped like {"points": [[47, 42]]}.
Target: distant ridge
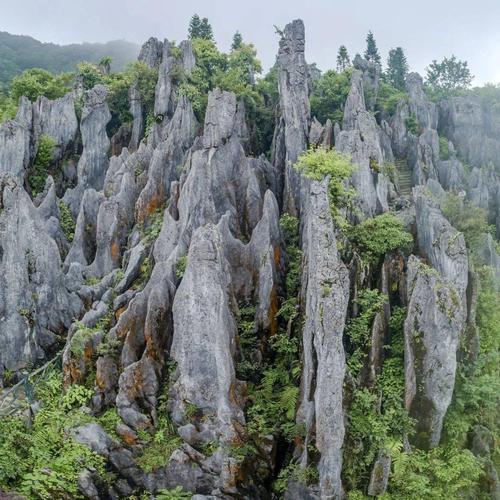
{"points": [[20, 52]]}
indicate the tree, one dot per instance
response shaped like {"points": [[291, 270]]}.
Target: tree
{"points": [[37, 82], [397, 68], [200, 28], [105, 65], [343, 60], [448, 76], [237, 41], [371, 53]]}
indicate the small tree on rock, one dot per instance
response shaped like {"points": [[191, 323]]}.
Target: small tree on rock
{"points": [[448, 76], [371, 53], [200, 28], [343, 60], [237, 41], [397, 68]]}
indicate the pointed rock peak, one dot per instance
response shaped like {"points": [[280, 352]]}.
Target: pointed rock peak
{"points": [[292, 39], [151, 52], [355, 103], [222, 118]]}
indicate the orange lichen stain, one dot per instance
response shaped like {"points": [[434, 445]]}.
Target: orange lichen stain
{"points": [[115, 250], [144, 211], [277, 255], [119, 312], [273, 311]]}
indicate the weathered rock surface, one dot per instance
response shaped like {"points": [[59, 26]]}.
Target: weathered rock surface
{"points": [[291, 138], [325, 292], [35, 304], [432, 329], [360, 138]]}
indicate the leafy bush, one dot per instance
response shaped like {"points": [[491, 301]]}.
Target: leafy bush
{"points": [[329, 95], [375, 237], [467, 218], [175, 494], [41, 164], [42, 461], [180, 267], [412, 124], [67, 222], [444, 149], [36, 82], [389, 97], [318, 163]]}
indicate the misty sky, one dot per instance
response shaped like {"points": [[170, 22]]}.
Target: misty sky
{"points": [[426, 29]]}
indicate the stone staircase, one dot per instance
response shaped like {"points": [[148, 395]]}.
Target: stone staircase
{"points": [[403, 177]]}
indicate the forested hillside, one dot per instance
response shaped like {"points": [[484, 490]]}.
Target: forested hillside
{"points": [[18, 53]]}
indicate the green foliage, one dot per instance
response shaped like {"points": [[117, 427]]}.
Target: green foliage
{"points": [[371, 52], [329, 95], [377, 418], [376, 236], [151, 228], [35, 82], [43, 461], [293, 472], [8, 107], [175, 494], [109, 420], [397, 69], [412, 124], [200, 28], [439, 474], [448, 77], [237, 41], [467, 218], [41, 164], [358, 330], [19, 53], [343, 60], [180, 267], [444, 148], [161, 444], [389, 97], [67, 222], [318, 163], [89, 74]]}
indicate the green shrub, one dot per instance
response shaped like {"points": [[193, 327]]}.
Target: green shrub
{"points": [[175, 494], [389, 97], [180, 267], [35, 82], [375, 237], [444, 149], [329, 95], [41, 164], [318, 163], [412, 124], [42, 461], [67, 222]]}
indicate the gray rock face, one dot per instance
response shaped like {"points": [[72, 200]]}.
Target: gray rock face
{"points": [[432, 328], [56, 119], [380, 474], [474, 129], [424, 110], [371, 79], [325, 293], [134, 98], [15, 142], [441, 244], [292, 137], [151, 52], [94, 161], [360, 138], [35, 304], [204, 343]]}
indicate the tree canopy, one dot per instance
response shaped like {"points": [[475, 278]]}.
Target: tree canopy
{"points": [[371, 52], [397, 68], [448, 76], [200, 28]]}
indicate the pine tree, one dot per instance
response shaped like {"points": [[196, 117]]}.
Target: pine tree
{"points": [[200, 28], [237, 41], [194, 26], [343, 60], [371, 53], [397, 68]]}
